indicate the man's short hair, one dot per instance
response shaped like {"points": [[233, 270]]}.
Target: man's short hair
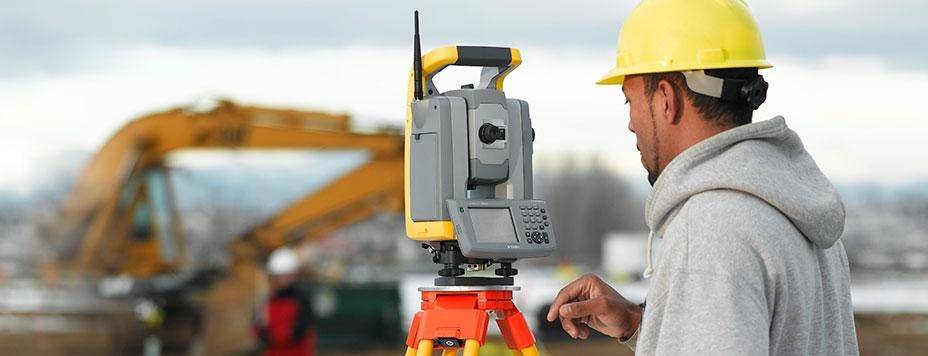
{"points": [[721, 113]]}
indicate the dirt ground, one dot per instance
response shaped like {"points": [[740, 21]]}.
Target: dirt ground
{"points": [[878, 335]]}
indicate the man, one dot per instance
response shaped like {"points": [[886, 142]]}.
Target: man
{"points": [[751, 262], [286, 325]]}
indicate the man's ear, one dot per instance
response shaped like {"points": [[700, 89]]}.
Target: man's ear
{"points": [[669, 102]]}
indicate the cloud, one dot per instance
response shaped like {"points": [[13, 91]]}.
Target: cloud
{"points": [[850, 111], [852, 15], [52, 37]]}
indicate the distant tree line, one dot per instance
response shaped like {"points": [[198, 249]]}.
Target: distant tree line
{"points": [[587, 200], [887, 235]]}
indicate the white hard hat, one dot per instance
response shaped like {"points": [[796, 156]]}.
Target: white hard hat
{"points": [[283, 261]]}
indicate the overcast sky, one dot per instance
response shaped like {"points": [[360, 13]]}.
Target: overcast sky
{"points": [[849, 75]]}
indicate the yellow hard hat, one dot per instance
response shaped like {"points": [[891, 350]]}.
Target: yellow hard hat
{"points": [[683, 35]]}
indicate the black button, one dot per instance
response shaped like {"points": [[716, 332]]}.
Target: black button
{"points": [[542, 227], [546, 223], [527, 234], [542, 210], [544, 217]]}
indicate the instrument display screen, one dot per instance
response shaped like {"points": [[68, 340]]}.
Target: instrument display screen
{"points": [[493, 225]]}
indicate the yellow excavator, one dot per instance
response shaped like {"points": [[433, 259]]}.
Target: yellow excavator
{"points": [[121, 218]]}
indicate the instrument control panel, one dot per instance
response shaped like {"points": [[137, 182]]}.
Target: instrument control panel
{"points": [[503, 228]]}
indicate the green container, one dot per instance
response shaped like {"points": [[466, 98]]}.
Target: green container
{"points": [[356, 316]]}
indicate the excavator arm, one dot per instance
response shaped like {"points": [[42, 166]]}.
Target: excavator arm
{"points": [[121, 216], [371, 188]]}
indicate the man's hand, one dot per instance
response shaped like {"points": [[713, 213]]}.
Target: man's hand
{"points": [[588, 302]]}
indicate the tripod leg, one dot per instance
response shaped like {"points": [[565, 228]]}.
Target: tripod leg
{"points": [[413, 335], [515, 331], [528, 351], [425, 348], [471, 347], [449, 352]]}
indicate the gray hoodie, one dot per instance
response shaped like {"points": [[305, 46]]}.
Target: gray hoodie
{"points": [[750, 261]]}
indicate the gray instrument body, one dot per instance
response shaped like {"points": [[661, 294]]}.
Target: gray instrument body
{"points": [[454, 173]]}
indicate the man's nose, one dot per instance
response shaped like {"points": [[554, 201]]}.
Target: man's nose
{"points": [[630, 126]]}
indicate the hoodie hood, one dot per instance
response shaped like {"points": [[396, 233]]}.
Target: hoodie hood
{"points": [[764, 159]]}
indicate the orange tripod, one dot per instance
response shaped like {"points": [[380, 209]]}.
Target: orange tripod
{"points": [[457, 317]]}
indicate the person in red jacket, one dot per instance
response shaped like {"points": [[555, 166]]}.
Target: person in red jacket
{"points": [[285, 326]]}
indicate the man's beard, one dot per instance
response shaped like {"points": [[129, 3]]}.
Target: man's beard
{"points": [[652, 176], [653, 172]]}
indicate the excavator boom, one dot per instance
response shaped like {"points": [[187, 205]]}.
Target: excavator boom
{"points": [[121, 217]]}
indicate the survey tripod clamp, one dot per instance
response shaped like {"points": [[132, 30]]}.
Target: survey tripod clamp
{"points": [[456, 318], [469, 199]]}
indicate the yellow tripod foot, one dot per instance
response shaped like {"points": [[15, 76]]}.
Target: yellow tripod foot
{"points": [[425, 348], [528, 351], [471, 347]]}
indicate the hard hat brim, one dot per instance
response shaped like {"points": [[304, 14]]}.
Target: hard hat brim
{"points": [[613, 77], [616, 76]]}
